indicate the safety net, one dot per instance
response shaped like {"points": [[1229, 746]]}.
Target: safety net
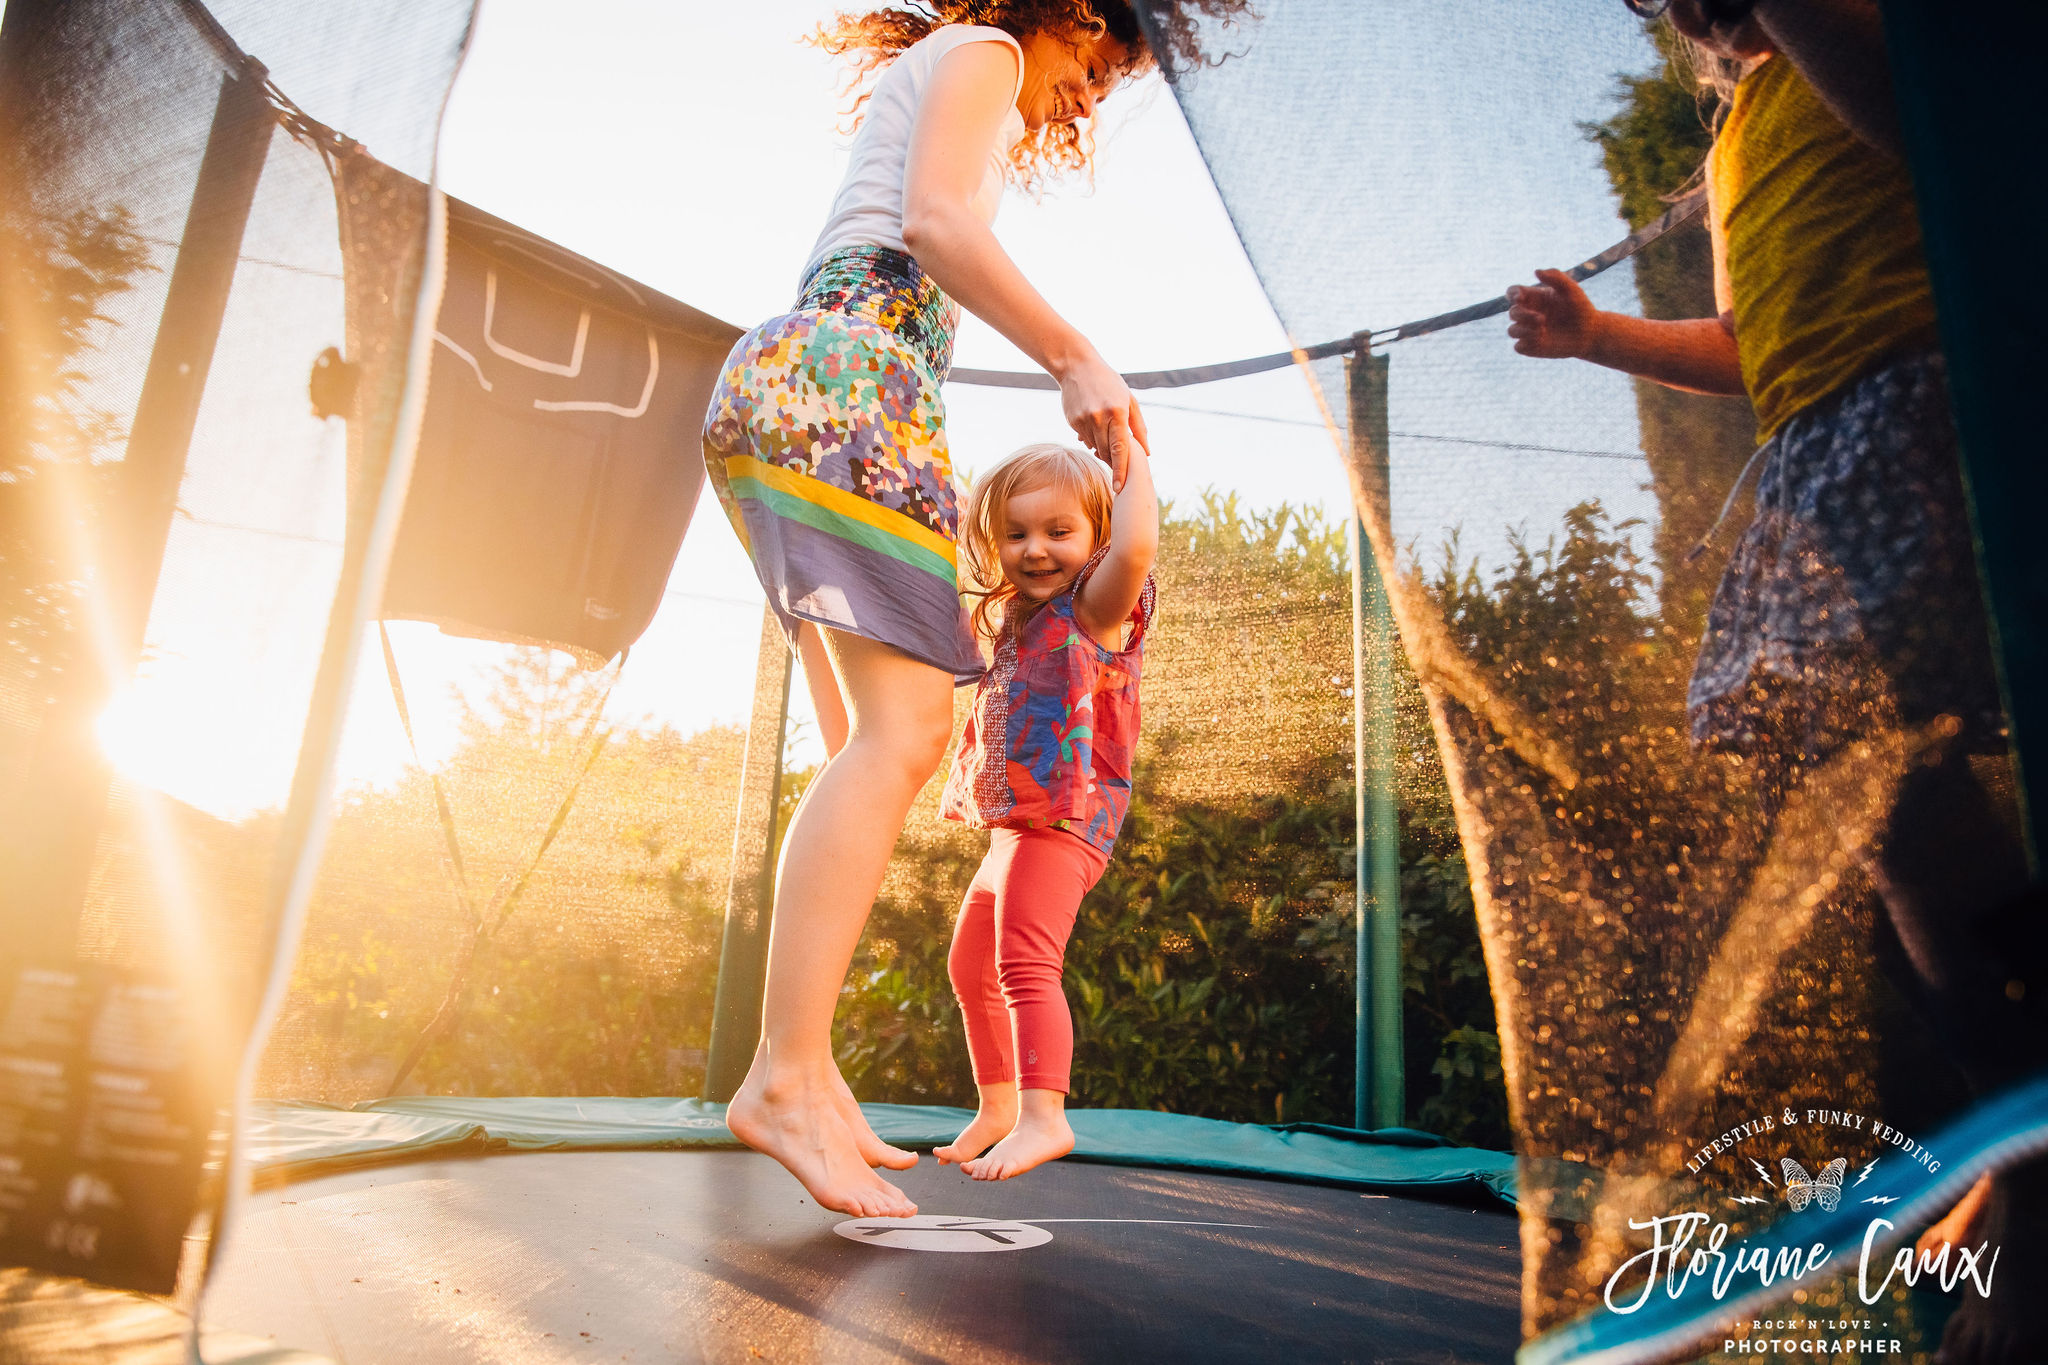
{"points": [[1681, 911], [182, 601]]}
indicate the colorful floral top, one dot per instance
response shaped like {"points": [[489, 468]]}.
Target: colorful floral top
{"points": [[1055, 720]]}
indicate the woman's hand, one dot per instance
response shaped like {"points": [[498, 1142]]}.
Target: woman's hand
{"points": [[1553, 319], [1099, 407]]}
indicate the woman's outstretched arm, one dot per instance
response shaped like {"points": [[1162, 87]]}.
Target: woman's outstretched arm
{"points": [[957, 126]]}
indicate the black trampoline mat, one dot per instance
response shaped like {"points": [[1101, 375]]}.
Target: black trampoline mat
{"points": [[718, 1256]]}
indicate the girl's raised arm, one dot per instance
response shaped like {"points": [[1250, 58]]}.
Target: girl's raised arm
{"points": [[1106, 600], [958, 122]]}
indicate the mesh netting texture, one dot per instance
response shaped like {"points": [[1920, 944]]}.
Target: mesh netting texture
{"points": [[172, 515], [1683, 941]]}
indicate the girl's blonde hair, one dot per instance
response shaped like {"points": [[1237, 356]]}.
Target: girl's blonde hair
{"points": [[1043, 464], [1711, 75]]}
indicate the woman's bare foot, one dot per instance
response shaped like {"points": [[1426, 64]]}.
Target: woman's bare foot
{"points": [[992, 1122], [797, 1121], [1042, 1134], [873, 1150], [1954, 1226]]}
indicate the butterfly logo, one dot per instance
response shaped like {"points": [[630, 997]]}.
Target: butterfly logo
{"points": [[1824, 1189]]}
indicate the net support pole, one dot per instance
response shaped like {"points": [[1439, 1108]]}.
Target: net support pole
{"points": [[1966, 99], [53, 836], [750, 895], [1380, 1084]]}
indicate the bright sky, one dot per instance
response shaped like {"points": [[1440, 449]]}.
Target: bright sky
{"points": [[694, 147]]}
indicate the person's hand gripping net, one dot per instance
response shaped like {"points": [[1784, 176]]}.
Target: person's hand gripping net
{"points": [[1101, 410]]}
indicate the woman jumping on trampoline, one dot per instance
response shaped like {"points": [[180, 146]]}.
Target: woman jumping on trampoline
{"points": [[1851, 603], [826, 444], [1062, 567]]}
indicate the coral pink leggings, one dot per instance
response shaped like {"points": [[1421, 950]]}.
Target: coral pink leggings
{"points": [[1007, 950]]}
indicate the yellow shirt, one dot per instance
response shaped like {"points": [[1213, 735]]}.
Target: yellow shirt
{"points": [[1822, 243]]}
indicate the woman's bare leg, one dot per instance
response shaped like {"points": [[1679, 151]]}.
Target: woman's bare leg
{"points": [[833, 725], [790, 1105], [823, 685]]}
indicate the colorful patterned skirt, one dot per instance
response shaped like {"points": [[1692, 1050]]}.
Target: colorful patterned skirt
{"points": [[826, 444]]}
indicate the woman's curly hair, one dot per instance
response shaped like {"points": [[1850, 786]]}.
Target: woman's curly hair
{"points": [[874, 38]]}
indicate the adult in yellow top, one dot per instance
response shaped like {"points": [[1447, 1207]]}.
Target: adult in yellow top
{"points": [[1819, 242], [1850, 607]]}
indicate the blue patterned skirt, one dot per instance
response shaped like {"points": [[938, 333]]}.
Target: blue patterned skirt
{"points": [[1852, 605]]}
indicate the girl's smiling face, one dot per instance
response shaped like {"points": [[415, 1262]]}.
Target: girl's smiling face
{"points": [[1046, 540], [1067, 75]]}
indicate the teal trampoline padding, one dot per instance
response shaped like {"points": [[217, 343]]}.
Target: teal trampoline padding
{"points": [[2006, 1129], [294, 1141]]}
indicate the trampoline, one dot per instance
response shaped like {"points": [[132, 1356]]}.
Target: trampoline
{"points": [[433, 1230], [1464, 786], [716, 1256]]}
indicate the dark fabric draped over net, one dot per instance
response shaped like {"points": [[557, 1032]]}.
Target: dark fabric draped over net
{"points": [[1679, 942]]}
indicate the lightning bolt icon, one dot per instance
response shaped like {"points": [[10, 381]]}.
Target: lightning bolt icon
{"points": [[1882, 1199], [1764, 1173], [1749, 1199], [1864, 1174]]}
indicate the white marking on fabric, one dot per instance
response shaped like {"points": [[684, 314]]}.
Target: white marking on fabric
{"points": [[592, 405], [1159, 1222], [568, 371], [445, 340], [943, 1232]]}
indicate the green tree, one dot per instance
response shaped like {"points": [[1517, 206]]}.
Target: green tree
{"points": [[598, 980], [1211, 968], [56, 447]]}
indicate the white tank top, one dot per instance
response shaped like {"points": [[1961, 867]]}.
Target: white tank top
{"points": [[869, 208]]}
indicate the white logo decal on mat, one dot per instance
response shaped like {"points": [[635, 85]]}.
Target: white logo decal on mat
{"points": [[943, 1232]]}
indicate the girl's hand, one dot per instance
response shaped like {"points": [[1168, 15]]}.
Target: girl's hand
{"points": [[1109, 596], [1553, 319], [1099, 407]]}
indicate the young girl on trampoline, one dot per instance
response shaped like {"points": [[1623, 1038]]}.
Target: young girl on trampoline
{"points": [[826, 444], [1062, 568], [1851, 602]]}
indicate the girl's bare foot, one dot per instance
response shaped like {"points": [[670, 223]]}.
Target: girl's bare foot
{"points": [[873, 1150], [797, 1121], [1954, 1226], [992, 1122], [1042, 1134]]}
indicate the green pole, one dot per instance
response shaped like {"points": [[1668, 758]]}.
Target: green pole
{"points": [[750, 895], [1380, 1084]]}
